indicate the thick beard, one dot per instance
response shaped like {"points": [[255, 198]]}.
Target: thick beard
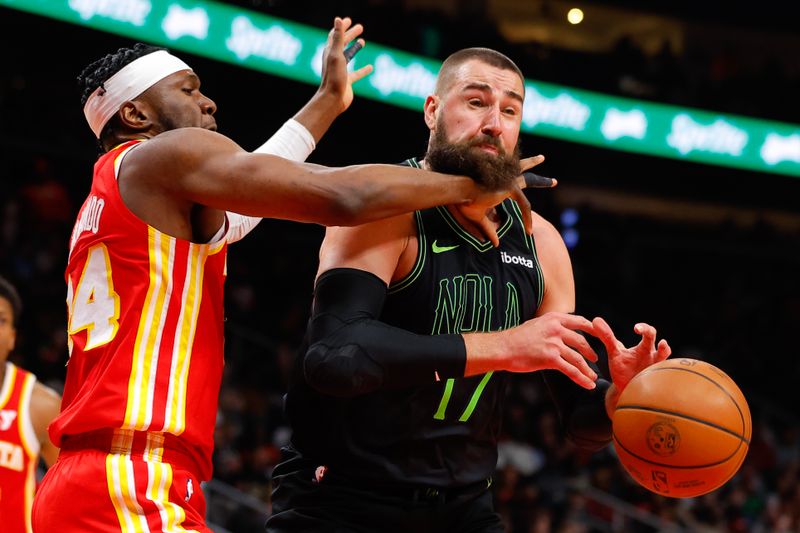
{"points": [[494, 172]]}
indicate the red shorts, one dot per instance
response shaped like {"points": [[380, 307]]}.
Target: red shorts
{"points": [[123, 489]]}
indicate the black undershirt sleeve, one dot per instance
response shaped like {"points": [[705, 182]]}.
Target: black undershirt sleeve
{"points": [[352, 353], [582, 412]]}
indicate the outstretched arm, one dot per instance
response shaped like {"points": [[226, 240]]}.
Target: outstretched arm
{"points": [[298, 136], [201, 167]]}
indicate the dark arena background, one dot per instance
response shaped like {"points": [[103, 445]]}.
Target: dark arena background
{"points": [[707, 253]]}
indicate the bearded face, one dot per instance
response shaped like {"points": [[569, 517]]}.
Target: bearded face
{"points": [[493, 171]]}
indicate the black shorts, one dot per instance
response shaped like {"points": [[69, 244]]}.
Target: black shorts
{"points": [[336, 505]]}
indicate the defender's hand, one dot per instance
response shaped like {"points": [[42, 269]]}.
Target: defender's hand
{"points": [[336, 82], [478, 210]]}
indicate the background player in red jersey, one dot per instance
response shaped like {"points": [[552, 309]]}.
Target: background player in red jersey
{"points": [[146, 271], [26, 409]]}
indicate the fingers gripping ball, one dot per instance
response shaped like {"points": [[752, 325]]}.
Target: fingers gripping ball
{"points": [[682, 428]]}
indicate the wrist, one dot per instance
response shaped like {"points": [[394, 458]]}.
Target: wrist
{"points": [[292, 141], [327, 103], [485, 353], [319, 113], [489, 352]]}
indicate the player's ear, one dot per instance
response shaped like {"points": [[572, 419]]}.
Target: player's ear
{"points": [[430, 108], [135, 115]]}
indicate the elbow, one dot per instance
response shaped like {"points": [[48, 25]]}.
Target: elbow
{"points": [[355, 212], [342, 371], [344, 202], [355, 196], [363, 201], [346, 211]]}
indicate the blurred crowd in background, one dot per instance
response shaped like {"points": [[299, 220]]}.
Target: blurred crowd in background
{"points": [[725, 291]]}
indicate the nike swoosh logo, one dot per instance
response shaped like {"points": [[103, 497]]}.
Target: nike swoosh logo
{"points": [[439, 249]]}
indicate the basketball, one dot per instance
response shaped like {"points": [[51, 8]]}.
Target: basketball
{"points": [[682, 428]]}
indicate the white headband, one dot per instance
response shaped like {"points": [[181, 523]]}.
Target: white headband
{"points": [[131, 81]]}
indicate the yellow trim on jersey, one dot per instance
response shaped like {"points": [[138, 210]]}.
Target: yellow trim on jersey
{"points": [[119, 156], [23, 412], [122, 486], [132, 408], [23, 416], [122, 441], [217, 247], [8, 384], [156, 486], [144, 364], [121, 444], [30, 490], [122, 489], [154, 449], [175, 419], [160, 483]]}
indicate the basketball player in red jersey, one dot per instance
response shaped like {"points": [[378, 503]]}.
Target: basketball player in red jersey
{"points": [[26, 408], [146, 270]]}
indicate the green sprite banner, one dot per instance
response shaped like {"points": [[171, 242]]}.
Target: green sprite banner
{"points": [[292, 50]]}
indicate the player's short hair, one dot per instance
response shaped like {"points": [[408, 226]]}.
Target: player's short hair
{"points": [[10, 293], [98, 72], [485, 55]]}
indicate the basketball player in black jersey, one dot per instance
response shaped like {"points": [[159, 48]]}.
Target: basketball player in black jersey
{"points": [[418, 321]]}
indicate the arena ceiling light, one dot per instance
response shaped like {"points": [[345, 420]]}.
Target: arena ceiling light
{"points": [[285, 48]]}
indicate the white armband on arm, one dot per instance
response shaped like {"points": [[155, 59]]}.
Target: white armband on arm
{"points": [[239, 226], [293, 142]]}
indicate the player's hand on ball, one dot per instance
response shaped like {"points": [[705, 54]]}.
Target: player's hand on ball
{"points": [[624, 363]]}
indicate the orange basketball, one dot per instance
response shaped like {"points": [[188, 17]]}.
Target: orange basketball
{"points": [[682, 428]]}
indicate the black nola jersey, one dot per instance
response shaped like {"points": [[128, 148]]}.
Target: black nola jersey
{"points": [[443, 434]]}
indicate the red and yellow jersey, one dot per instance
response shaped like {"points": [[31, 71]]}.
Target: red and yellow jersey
{"points": [[19, 451], [145, 325]]}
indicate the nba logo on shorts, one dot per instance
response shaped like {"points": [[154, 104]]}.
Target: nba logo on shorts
{"points": [[189, 490]]}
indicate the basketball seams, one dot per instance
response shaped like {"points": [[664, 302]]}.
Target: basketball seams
{"points": [[728, 394], [685, 417], [677, 467], [653, 403]]}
